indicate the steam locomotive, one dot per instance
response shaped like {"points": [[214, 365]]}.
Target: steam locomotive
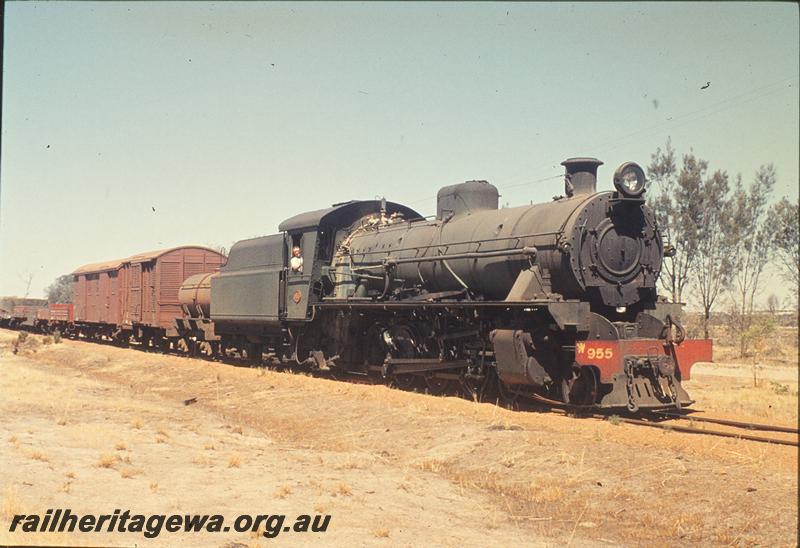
{"points": [[555, 301]]}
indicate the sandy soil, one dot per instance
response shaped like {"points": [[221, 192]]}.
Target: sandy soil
{"points": [[745, 371], [95, 428]]}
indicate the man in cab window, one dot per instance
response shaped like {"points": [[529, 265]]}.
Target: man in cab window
{"points": [[296, 262]]}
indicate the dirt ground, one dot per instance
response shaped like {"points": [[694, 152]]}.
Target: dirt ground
{"points": [[95, 428]]}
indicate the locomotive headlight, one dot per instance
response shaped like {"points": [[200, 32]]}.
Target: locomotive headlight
{"points": [[629, 180]]}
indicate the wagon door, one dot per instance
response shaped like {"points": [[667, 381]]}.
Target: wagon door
{"points": [[104, 297], [148, 293], [135, 298], [171, 275], [113, 301], [92, 297]]}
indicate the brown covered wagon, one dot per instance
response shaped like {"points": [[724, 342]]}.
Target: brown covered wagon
{"points": [[137, 295]]}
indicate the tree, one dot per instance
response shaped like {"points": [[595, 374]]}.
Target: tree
{"points": [[27, 280], [712, 269], [784, 229], [751, 246], [773, 303], [60, 291], [676, 208], [221, 249]]}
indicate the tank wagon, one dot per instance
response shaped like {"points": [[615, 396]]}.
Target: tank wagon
{"points": [[555, 300]]}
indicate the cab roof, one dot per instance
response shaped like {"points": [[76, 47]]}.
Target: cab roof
{"points": [[344, 214]]}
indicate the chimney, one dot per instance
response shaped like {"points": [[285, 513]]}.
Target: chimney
{"points": [[580, 176]]}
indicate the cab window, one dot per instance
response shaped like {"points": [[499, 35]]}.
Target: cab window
{"points": [[296, 254]]}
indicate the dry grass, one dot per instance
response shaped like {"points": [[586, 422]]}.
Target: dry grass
{"points": [[137, 424], [380, 532], [70, 475], [12, 504], [351, 463], [318, 487], [202, 460], [769, 402], [154, 487], [282, 491], [107, 461], [518, 497], [504, 425], [128, 473], [209, 447], [120, 446], [343, 489], [432, 465], [234, 461], [160, 439], [38, 455], [509, 460], [26, 344], [162, 432]]}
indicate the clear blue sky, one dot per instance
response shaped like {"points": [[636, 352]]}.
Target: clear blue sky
{"points": [[228, 118]]}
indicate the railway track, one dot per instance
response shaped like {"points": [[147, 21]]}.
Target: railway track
{"points": [[677, 422], [728, 422], [685, 421], [738, 429]]}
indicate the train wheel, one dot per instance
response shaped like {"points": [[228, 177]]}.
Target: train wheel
{"points": [[437, 385], [404, 381], [253, 353], [489, 391], [583, 388], [471, 388], [507, 397], [204, 349], [182, 346], [375, 377]]}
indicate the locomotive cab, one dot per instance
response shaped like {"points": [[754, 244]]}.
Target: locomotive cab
{"points": [[318, 234], [299, 280]]}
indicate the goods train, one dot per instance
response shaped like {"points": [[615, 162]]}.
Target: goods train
{"points": [[556, 301]]}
